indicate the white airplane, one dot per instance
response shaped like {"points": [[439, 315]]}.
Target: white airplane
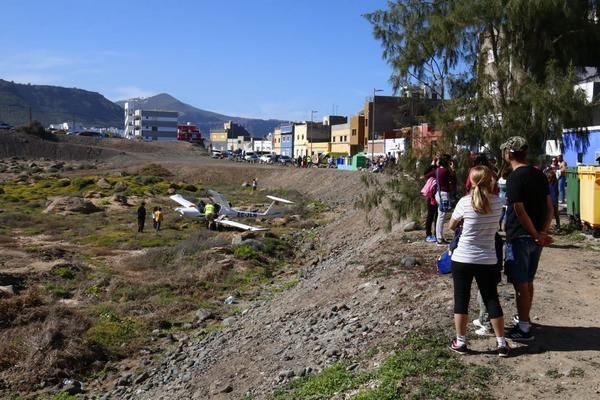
{"points": [[225, 211]]}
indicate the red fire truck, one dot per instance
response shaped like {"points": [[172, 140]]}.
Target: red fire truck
{"points": [[189, 132]]}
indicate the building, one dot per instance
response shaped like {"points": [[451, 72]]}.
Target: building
{"points": [[150, 124], [276, 145], [307, 134], [581, 150], [287, 140], [189, 133], [340, 139], [264, 145], [424, 139], [231, 137], [384, 115]]}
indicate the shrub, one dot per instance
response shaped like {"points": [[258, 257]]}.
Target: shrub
{"points": [[81, 183], [59, 291], [65, 272], [155, 169], [110, 331], [246, 252]]}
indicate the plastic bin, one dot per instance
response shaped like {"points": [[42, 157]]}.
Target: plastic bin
{"points": [[573, 210], [589, 203]]}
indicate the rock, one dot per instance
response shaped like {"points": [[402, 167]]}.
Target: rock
{"points": [[57, 166], [125, 380], [64, 182], [409, 262], [171, 191], [222, 388], [248, 235], [229, 321], [245, 184], [10, 290], [141, 378], [409, 226], [279, 221], [332, 352], [255, 244], [72, 205], [119, 199], [92, 194], [286, 374], [72, 387], [225, 263], [236, 240], [120, 187], [103, 184], [203, 314]]}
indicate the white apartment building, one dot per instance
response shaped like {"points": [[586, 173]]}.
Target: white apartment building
{"points": [[150, 124]]}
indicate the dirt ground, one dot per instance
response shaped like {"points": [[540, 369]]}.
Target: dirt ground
{"points": [[354, 296]]}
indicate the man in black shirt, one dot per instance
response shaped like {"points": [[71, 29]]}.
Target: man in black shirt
{"points": [[528, 219], [141, 217]]}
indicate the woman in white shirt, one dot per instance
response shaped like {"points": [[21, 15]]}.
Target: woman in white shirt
{"points": [[475, 257]]}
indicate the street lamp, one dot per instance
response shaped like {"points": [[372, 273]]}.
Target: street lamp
{"points": [[373, 121], [310, 132]]}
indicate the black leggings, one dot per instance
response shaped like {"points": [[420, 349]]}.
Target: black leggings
{"points": [[431, 217], [485, 275]]}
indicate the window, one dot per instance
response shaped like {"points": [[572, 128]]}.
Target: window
{"points": [[353, 132], [333, 139], [366, 123]]}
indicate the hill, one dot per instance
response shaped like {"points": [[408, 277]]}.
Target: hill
{"points": [[55, 104], [206, 120]]}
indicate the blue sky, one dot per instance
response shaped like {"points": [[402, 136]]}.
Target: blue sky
{"points": [[253, 58]]}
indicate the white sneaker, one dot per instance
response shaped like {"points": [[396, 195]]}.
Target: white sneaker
{"points": [[478, 323], [483, 332]]}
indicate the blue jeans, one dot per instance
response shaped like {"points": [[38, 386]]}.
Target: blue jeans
{"points": [[562, 184], [522, 256]]}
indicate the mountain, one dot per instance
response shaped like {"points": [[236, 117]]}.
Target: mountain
{"points": [[206, 120], [54, 104]]}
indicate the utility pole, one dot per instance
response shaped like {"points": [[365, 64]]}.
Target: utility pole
{"points": [[373, 122], [310, 131]]}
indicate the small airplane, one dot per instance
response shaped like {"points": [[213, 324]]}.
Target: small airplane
{"points": [[225, 211]]}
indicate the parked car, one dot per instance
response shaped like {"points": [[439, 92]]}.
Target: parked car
{"points": [[4, 125], [251, 157], [216, 154], [285, 160]]}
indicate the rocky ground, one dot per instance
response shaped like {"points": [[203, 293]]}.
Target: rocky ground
{"points": [[357, 291]]}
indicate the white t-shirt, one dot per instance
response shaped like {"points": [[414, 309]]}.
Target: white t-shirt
{"points": [[476, 243]]}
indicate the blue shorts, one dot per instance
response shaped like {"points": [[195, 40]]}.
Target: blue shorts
{"points": [[522, 256]]}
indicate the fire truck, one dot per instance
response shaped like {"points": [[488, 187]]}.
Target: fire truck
{"points": [[190, 133]]}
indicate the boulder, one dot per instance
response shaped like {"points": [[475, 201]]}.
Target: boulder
{"points": [[409, 262], [92, 194], [72, 205], [120, 187], [103, 184], [119, 199], [7, 290], [171, 191], [203, 314], [64, 182], [409, 226]]}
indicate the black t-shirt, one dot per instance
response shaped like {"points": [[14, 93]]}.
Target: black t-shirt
{"points": [[529, 186]]}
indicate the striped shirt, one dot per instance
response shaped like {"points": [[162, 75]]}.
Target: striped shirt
{"points": [[476, 243]]}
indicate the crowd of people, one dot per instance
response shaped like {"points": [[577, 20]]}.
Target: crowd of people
{"points": [[519, 201], [157, 217]]}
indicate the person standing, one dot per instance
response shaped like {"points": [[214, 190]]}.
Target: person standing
{"points": [[254, 184], [562, 178], [553, 189], [432, 206], [443, 177], [154, 210], [475, 257], [158, 218], [141, 217], [528, 218]]}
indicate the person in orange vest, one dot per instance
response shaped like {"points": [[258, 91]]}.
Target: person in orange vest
{"points": [[158, 218]]}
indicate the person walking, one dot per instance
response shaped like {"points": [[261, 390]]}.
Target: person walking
{"points": [[141, 217], [475, 257], [528, 218], [154, 210], [158, 218]]}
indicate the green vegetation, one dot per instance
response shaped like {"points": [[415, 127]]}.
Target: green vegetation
{"points": [[111, 331], [422, 368], [59, 291], [65, 272], [246, 252]]}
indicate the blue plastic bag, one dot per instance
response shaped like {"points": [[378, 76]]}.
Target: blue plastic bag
{"points": [[444, 263]]}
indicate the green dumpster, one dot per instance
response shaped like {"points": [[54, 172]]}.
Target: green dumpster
{"points": [[573, 206], [360, 161]]}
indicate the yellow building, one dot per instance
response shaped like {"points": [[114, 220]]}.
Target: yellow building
{"points": [[340, 139], [277, 141]]}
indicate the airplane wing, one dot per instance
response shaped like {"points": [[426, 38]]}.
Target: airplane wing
{"points": [[239, 225], [179, 199], [219, 198], [279, 199]]}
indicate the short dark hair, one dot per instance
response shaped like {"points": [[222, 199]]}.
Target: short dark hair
{"points": [[520, 156]]}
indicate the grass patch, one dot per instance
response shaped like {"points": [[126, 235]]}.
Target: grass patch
{"points": [[421, 369], [246, 252], [59, 291], [111, 331], [65, 273]]}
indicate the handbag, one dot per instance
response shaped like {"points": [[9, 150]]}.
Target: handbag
{"points": [[429, 188]]}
